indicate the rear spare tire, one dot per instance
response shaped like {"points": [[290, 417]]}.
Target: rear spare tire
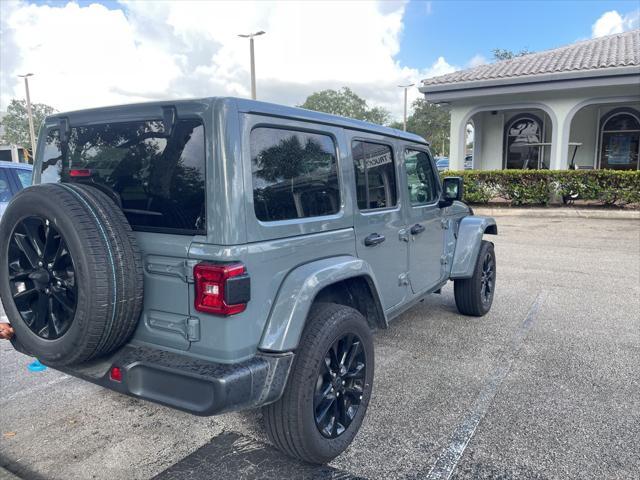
{"points": [[71, 273]]}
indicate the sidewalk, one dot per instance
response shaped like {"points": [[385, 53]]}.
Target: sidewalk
{"points": [[558, 212]]}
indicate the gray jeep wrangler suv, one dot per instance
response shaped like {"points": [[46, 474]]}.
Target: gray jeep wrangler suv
{"points": [[220, 254]]}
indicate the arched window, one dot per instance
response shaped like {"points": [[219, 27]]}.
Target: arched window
{"points": [[523, 136], [619, 138]]}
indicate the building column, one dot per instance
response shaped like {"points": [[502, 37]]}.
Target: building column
{"points": [[457, 138], [559, 147], [563, 110]]}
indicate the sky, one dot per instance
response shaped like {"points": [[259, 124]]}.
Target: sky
{"points": [[87, 53]]}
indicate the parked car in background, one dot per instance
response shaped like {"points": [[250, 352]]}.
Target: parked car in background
{"points": [[442, 163], [468, 162], [13, 178]]}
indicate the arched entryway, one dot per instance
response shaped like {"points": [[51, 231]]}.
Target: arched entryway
{"points": [[524, 136], [619, 139]]}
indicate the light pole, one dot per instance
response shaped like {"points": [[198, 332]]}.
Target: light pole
{"points": [[404, 122], [253, 62], [30, 114]]}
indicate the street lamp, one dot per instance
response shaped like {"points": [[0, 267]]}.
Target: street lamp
{"points": [[253, 63], [30, 114], [404, 122]]}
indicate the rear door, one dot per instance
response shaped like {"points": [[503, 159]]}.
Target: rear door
{"points": [[155, 172], [424, 220], [378, 218]]}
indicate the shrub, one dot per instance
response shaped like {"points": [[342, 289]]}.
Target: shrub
{"points": [[538, 187]]}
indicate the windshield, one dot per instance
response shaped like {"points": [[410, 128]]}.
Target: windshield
{"points": [[156, 178]]}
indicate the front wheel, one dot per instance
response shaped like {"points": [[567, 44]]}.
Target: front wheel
{"points": [[329, 386], [474, 295]]}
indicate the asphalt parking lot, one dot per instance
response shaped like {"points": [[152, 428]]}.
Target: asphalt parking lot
{"points": [[545, 386]]}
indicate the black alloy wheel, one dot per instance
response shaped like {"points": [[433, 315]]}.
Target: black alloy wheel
{"points": [[488, 278], [329, 387], [474, 295], [339, 386], [42, 277]]}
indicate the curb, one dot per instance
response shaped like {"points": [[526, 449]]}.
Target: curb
{"points": [[562, 212]]}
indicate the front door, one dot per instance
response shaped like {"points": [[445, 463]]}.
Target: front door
{"points": [[379, 218], [426, 245]]}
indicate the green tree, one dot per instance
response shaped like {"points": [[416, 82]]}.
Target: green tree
{"points": [[16, 122], [502, 54], [432, 122], [345, 102]]}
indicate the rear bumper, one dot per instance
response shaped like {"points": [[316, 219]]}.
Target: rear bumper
{"points": [[189, 384]]}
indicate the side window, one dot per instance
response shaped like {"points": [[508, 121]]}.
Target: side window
{"points": [[5, 192], [294, 174], [375, 175], [421, 178], [24, 176]]}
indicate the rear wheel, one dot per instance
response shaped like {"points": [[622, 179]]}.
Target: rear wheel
{"points": [[71, 273], [329, 386], [474, 296]]}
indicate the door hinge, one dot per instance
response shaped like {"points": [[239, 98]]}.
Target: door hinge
{"points": [[403, 235], [193, 329], [403, 279], [188, 327], [444, 223], [445, 259], [177, 268]]}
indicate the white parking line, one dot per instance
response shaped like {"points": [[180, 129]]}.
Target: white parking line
{"points": [[451, 454], [35, 388]]}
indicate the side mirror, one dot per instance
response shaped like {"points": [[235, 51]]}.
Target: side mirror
{"points": [[451, 190]]}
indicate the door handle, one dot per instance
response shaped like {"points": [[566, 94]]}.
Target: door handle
{"points": [[417, 229], [373, 239]]}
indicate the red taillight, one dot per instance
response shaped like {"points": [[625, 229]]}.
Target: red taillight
{"points": [[221, 289], [115, 374], [80, 172]]}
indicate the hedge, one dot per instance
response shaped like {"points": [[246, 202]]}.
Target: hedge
{"points": [[539, 187]]}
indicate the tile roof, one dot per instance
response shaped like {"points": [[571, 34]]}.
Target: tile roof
{"points": [[618, 50]]}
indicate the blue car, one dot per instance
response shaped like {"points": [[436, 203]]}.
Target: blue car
{"points": [[442, 163], [13, 178]]}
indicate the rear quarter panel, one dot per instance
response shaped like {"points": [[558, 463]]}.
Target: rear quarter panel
{"points": [[234, 338]]}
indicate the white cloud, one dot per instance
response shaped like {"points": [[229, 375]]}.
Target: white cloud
{"points": [[92, 56], [612, 22], [477, 60]]}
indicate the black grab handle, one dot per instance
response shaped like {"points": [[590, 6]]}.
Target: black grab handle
{"points": [[373, 239]]}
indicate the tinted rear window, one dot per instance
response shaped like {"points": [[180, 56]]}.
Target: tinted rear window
{"points": [[156, 178]]}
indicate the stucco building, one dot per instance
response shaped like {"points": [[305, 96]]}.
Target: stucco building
{"points": [[576, 106]]}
